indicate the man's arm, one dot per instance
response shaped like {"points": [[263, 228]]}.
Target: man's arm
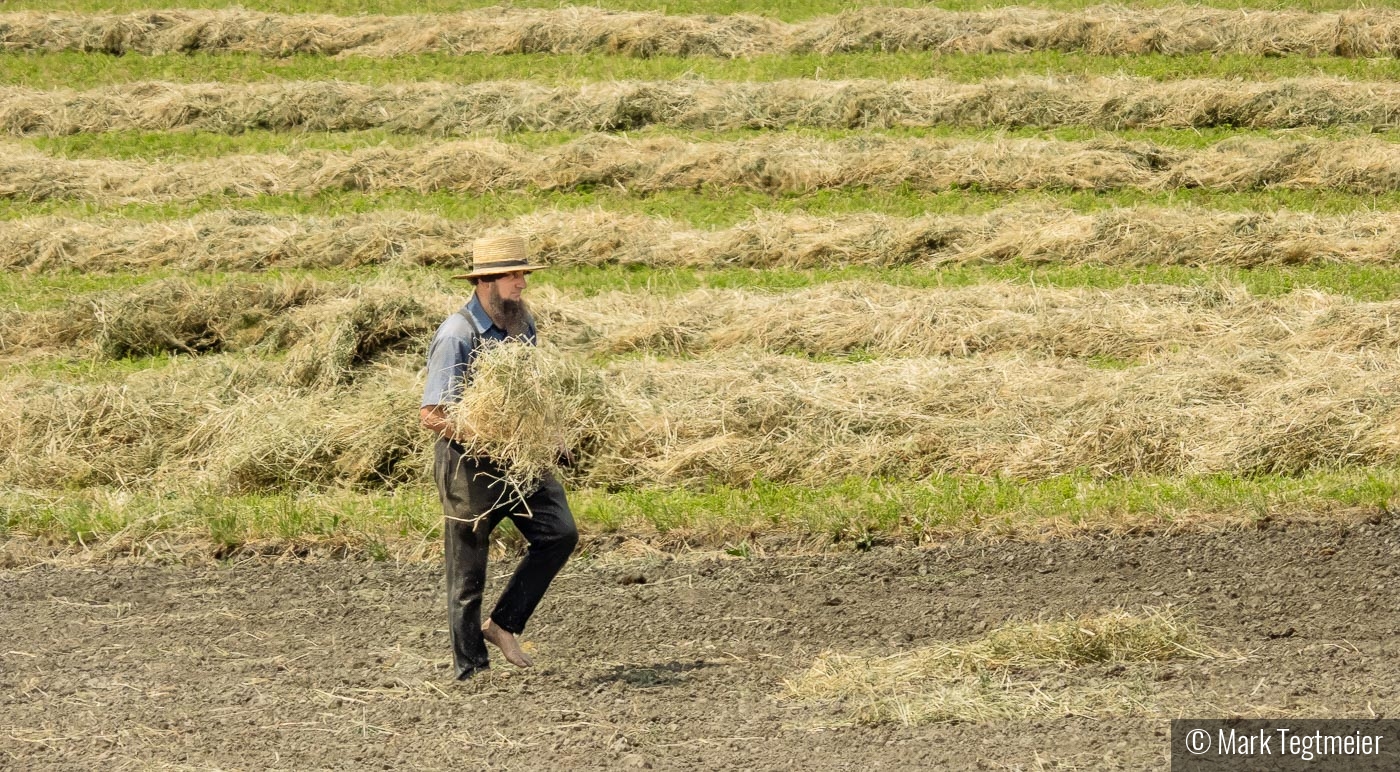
{"points": [[434, 419]]}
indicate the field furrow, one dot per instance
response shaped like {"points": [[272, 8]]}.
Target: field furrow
{"points": [[440, 109], [1127, 236], [1100, 30], [776, 165]]}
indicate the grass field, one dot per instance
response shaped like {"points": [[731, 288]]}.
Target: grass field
{"points": [[1201, 242]]}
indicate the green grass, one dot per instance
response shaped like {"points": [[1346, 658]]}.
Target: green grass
{"points": [[85, 71], [1366, 283], [712, 208], [160, 145], [38, 292], [788, 11], [852, 513], [183, 145]]}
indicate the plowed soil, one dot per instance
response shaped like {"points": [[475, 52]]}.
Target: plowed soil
{"points": [[668, 662]]}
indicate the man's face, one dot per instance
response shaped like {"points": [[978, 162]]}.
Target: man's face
{"points": [[509, 287]]}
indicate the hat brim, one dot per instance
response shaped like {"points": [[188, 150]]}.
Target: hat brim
{"points": [[498, 271]]}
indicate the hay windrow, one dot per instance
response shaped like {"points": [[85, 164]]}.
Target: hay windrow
{"points": [[335, 330], [772, 164], [1129, 236], [1101, 30], [733, 420], [215, 423], [781, 419], [1003, 675], [453, 110]]}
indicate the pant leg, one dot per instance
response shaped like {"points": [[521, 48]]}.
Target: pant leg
{"points": [[469, 518], [552, 536]]}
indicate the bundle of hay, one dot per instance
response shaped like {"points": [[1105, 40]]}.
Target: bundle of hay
{"points": [[526, 408]]}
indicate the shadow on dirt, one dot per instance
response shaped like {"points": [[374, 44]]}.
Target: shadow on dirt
{"points": [[666, 674]]}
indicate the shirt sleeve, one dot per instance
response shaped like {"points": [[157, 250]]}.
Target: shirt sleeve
{"points": [[449, 370]]}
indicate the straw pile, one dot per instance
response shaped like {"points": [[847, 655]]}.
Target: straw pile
{"points": [[526, 408], [443, 109], [177, 316], [1141, 235], [771, 164], [1101, 30], [1001, 675], [329, 327]]}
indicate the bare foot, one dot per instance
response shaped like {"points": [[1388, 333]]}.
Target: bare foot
{"points": [[505, 641]]}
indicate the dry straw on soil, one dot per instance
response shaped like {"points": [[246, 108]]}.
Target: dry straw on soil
{"points": [[1105, 30], [1047, 234], [771, 164], [1018, 671], [445, 109]]}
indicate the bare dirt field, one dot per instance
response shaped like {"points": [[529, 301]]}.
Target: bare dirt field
{"points": [[671, 662]]}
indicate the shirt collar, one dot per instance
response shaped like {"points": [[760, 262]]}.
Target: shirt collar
{"points": [[474, 311]]}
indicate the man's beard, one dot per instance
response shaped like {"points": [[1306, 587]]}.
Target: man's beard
{"points": [[516, 317]]}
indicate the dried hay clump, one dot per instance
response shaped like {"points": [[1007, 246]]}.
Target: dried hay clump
{"points": [[178, 316], [217, 422], [281, 439], [527, 406], [1015, 672], [354, 331]]}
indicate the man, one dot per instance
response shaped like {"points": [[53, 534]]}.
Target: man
{"points": [[473, 497]]}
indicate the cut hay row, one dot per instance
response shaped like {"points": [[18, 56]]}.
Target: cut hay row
{"points": [[1130, 236], [1128, 324], [778, 164], [446, 110], [1106, 30], [732, 420], [332, 329]]}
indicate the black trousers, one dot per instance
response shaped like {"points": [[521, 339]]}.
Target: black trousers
{"points": [[474, 501]]}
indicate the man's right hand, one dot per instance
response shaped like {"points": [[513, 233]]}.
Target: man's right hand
{"points": [[434, 419]]}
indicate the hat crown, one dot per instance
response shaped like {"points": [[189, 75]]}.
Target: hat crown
{"points": [[498, 249]]}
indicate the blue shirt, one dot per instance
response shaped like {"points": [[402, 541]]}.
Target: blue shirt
{"points": [[453, 351]]}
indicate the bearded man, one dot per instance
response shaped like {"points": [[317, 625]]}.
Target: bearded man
{"points": [[474, 498]]}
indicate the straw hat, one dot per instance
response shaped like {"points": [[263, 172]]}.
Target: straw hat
{"points": [[499, 254]]}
